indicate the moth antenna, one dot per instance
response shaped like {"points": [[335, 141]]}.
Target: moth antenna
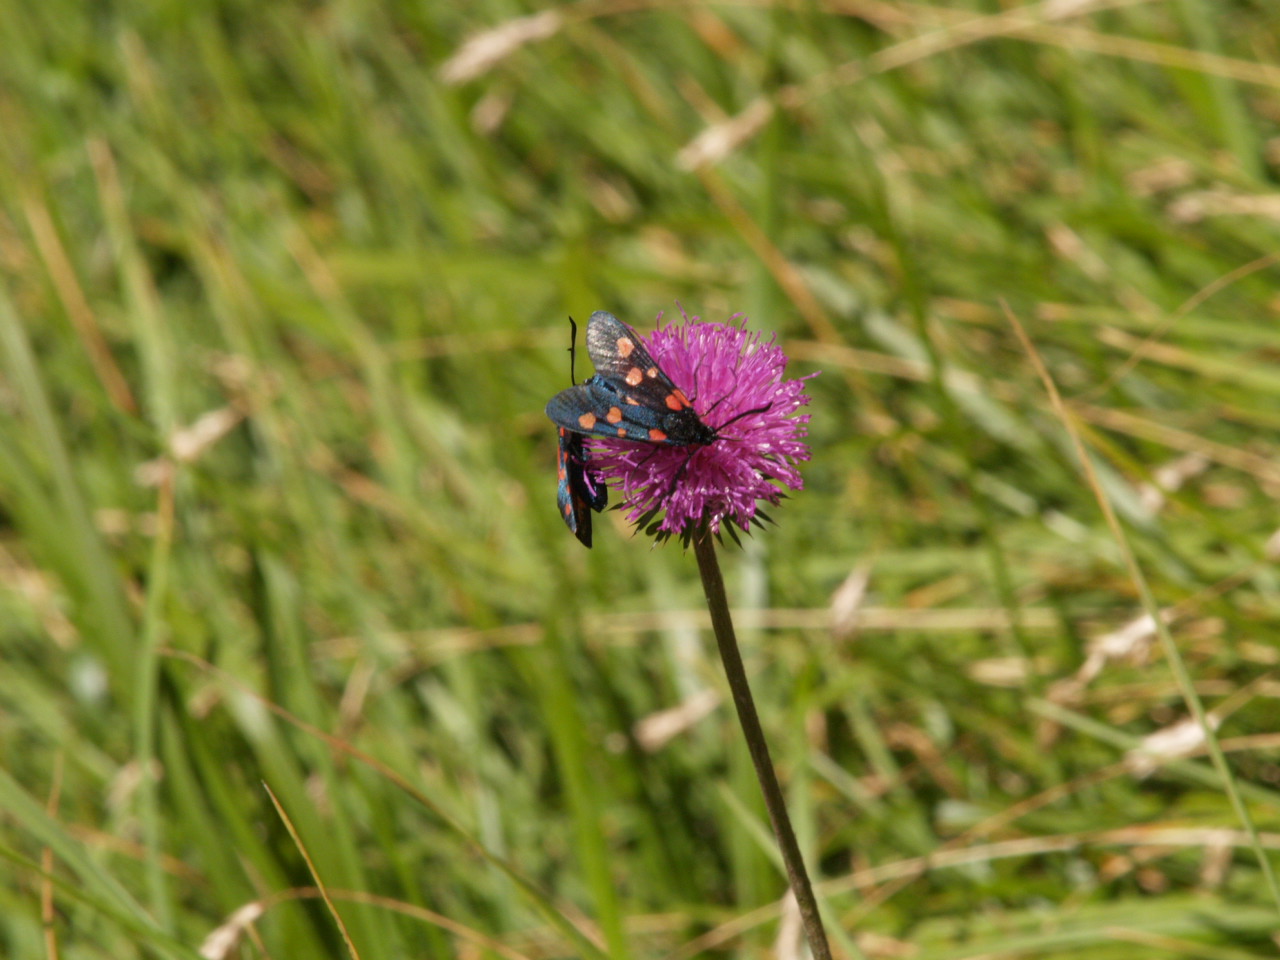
{"points": [[744, 413], [573, 353], [711, 409]]}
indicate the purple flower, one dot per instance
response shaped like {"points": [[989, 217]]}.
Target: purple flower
{"points": [[736, 384]]}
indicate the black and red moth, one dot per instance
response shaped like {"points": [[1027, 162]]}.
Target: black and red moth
{"points": [[579, 492], [628, 398]]}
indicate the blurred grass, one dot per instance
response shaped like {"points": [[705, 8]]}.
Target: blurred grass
{"points": [[279, 223]]}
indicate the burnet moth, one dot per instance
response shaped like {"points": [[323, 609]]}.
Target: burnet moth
{"points": [[578, 491]]}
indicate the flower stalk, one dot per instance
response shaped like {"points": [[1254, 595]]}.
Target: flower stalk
{"points": [[721, 623]]}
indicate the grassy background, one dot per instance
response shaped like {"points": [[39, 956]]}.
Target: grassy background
{"points": [[281, 306]]}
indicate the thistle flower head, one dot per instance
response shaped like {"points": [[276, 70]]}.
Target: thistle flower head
{"points": [[735, 381]]}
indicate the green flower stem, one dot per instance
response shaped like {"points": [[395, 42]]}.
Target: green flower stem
{"points": [[713, 585]]}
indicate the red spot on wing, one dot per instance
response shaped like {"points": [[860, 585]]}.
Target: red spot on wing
{"points": [[652, 373], [614, 415], [633, 401], [622, 431], [634, 376], [657, 436], [587, 421], [676, 399], [626, 346]]}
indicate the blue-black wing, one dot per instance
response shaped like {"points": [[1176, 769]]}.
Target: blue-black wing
{"points": [[615, 350], [621, 360], [579, 492], [629, 397], [601, 408]]}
